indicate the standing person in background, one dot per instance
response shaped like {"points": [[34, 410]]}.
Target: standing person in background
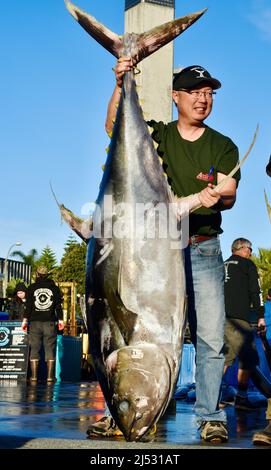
{"points": [[18, 302], [43, 310], [242, 291]]}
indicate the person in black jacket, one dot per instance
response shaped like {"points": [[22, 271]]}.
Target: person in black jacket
{"points": [[18, 302], [242, 291], [43, 310]]}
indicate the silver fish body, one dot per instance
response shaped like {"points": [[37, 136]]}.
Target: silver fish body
{"points": [[135, 283], [139, 279]]}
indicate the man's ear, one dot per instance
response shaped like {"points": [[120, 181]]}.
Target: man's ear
{"points": [[175, 97]]}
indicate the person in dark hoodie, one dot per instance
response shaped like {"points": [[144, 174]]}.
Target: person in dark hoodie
{"points": [[242, 291], [43, 311], [18, 302]]}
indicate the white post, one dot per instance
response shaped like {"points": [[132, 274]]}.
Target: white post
{"points": [[154, 83]]}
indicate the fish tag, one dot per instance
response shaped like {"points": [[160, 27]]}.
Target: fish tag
{"points": [[137, 354]]}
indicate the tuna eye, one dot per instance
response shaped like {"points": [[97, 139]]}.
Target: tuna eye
{"points": [[124, 406]]}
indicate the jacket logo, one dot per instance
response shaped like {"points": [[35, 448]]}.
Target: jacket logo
{"points": [[43, 299]]}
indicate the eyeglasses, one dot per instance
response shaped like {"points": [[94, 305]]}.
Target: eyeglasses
{"points": [[196, 94], [245, 246]]}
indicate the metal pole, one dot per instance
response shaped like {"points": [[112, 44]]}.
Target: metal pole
{"points": [[73, 310], [5, 280]]}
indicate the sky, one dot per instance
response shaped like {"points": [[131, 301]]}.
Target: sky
{"points": [[55, 83]]}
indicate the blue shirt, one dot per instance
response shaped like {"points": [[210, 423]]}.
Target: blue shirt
{"points": [[267, 317]]}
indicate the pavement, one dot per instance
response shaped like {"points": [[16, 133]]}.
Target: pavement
{"points": [[48, 423], [55, 418]]}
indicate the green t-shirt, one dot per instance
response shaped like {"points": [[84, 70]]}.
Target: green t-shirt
{"points": [[188, 166]]}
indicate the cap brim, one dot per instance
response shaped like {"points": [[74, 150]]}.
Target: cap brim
{"points": [[189, 84], [215, 84]]}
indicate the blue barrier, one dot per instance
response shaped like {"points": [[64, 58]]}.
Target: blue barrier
{"points": [[188, 366], [68, 358], [4, 316]]}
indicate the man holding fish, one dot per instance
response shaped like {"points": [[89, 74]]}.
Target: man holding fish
{"points": [[136, 287]]}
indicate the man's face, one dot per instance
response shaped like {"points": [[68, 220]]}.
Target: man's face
{"points": [[194, 105], [245, 251]]}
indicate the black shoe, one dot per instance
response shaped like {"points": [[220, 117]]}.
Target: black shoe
{"points": [[243, 403], [263, 438], [213, 431]]}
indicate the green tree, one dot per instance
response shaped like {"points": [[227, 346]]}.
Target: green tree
{"points": [[29, 259], [72, 266], [263, 263], [47, 259]]}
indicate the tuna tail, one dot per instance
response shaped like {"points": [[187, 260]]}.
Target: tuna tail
{"points": [[154, 39], [147, 43], [109, 40]]}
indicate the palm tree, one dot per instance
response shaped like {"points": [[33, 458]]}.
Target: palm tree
{"points": [[29, 259], [263, 263]]}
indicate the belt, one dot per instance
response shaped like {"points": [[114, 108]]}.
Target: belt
{"points": [[199, 238]]}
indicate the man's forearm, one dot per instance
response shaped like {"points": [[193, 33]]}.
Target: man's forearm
{"points": [[227, 193], [112, 110]]}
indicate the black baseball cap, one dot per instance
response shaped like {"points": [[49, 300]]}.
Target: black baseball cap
{"points": [[192, 76]]}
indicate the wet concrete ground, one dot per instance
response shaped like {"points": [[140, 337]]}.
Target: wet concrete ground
{"points": [[57, 416]]}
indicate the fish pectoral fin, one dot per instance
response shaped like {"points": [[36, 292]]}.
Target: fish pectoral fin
{"points": [[155, 38], [82, 227], [125, 319], [104, 36]]}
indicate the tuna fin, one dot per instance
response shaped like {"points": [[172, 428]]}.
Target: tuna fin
{"points": [[159, 36], [236, 168], [147, 43], [220, 185], [104, 36], [82, 227], [125, 319], [268, 207]]}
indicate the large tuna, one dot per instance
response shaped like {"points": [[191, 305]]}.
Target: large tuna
{"points": [[135, 282]]}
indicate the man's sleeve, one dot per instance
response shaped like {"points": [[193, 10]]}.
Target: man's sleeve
{"points": [[255, 290], [228, 160]]}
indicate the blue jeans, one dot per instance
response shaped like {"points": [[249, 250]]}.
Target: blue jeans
{"points": [[206, 315]]}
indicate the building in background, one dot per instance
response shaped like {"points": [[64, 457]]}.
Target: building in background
{"points": [[15, 269], [154, 83]]}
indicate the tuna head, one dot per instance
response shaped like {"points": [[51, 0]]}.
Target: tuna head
{"points": [[139, 378]]}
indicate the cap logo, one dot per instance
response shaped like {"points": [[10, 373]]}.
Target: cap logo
{"points": [[200, 72]]}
